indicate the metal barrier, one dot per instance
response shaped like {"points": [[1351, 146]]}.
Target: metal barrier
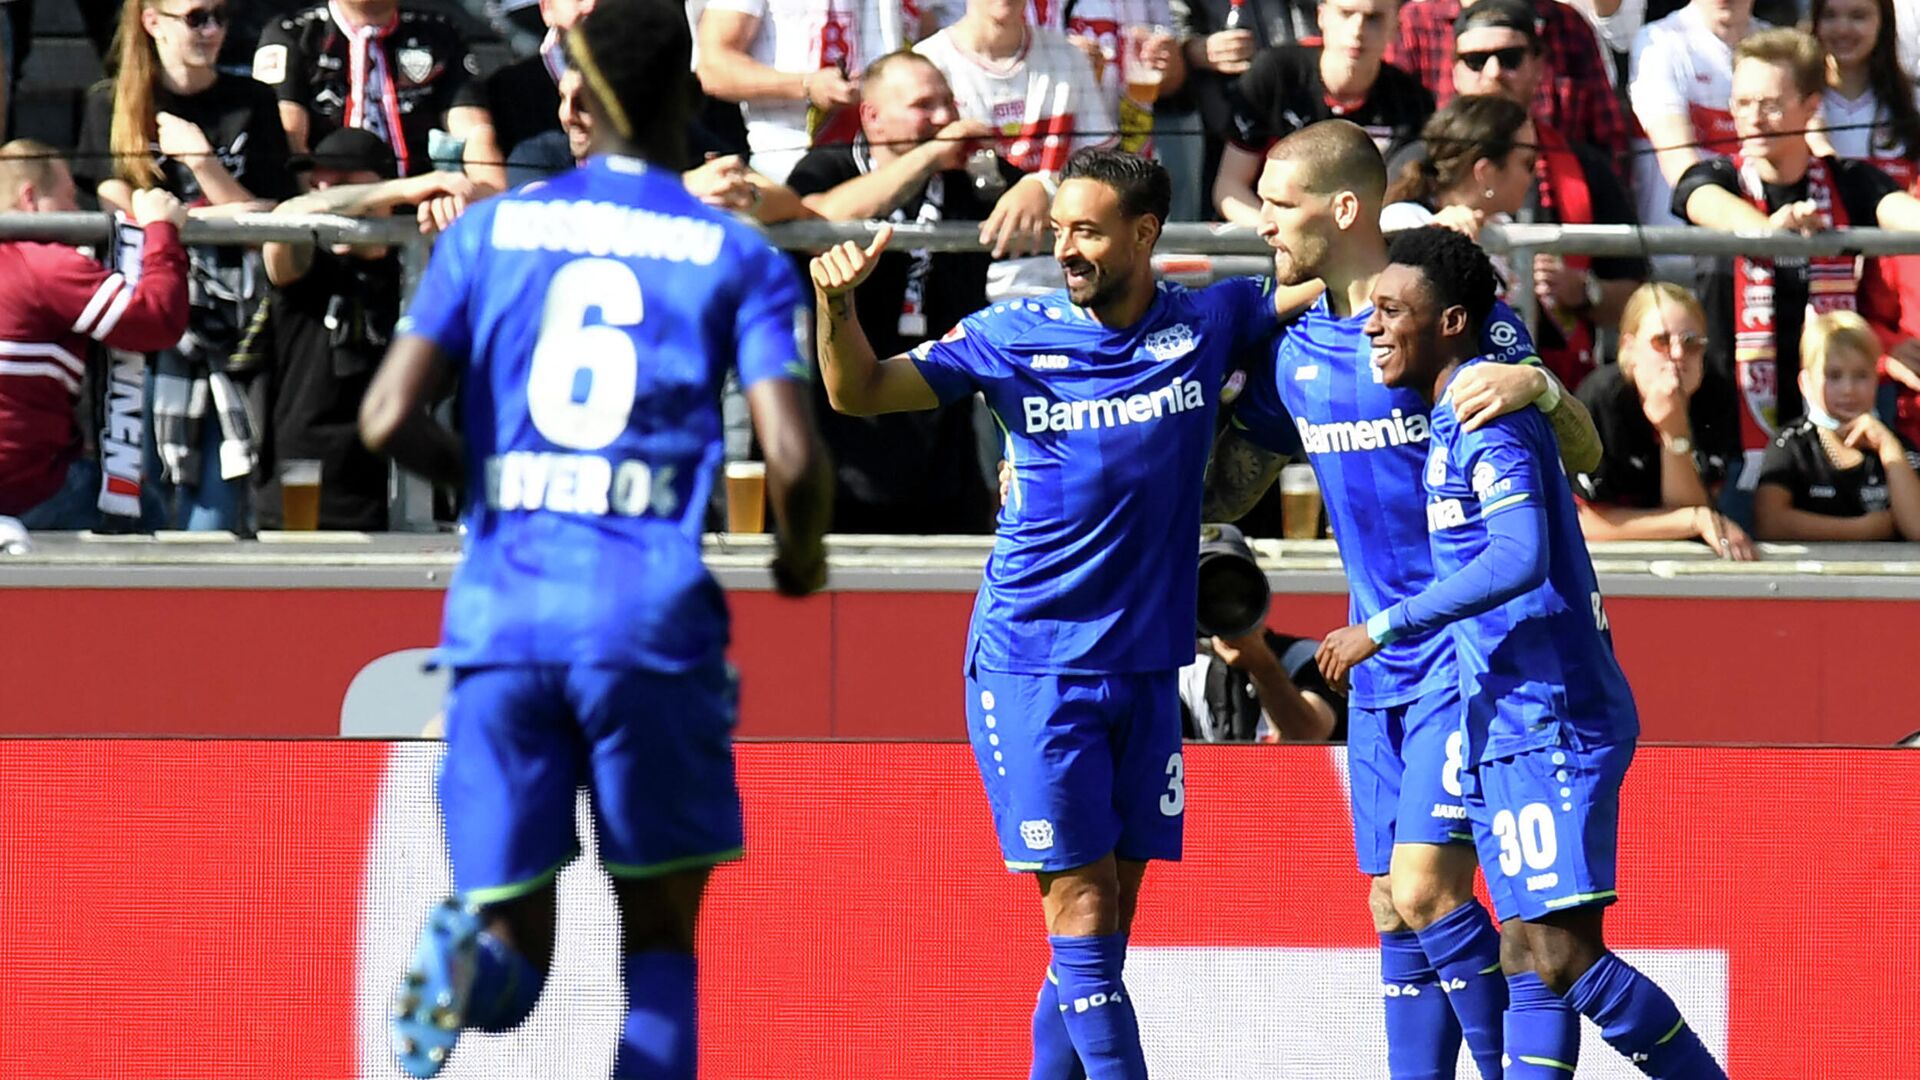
{"points": [[1193, 251]]}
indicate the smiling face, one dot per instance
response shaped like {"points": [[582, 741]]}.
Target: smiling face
{"points": [[1405, 327], [187, 33], [1847, 29], [1770, 114], [1098, 246]]}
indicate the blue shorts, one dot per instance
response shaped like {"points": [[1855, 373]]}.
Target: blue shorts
{"points": [[1403, 768], [1547, 825], [655, 749], [1079, 766]]}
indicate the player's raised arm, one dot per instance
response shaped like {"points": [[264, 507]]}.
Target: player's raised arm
{"points": [[857, 382]]}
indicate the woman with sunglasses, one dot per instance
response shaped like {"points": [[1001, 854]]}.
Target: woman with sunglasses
{"points": [[170, 119], [1870, 112], [1667, 427]]}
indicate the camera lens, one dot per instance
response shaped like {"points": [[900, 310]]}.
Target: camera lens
{"points": [[1233, 591]]}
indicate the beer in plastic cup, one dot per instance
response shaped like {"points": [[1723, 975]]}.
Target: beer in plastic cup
{"points": [[1299, 503], [1143, 82], [300, 496], [746, 496]]}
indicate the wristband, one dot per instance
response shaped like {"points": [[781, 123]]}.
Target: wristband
{"points": [[1048, 180], [1380, 630], [1549, 399]]}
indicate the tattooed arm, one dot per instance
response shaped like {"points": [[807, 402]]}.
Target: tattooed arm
{"points": [[858, 383], [1237, 475]]}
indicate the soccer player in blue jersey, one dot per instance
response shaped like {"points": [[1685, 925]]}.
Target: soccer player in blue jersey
{"points": [[1321, 193], [591, 320], [1550, 723], [1107, 393]]}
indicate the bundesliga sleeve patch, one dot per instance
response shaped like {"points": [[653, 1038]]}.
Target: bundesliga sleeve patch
{"points": [[270, 64]]}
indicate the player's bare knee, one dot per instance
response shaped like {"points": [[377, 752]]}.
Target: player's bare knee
{"points": [[1564, 946], [1386, 918], [660, 914], [1083, 901], [1516, 948], [1423, 899]]}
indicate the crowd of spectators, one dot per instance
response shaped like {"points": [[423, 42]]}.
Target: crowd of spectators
{"points": [[1726, 412]]}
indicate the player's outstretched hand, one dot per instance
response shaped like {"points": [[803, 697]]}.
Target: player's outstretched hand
{"points": [[800, 573], [841, 268], [1341, 650]]}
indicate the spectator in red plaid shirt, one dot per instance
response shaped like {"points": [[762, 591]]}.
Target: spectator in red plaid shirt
{"points": [[1575, 95]]}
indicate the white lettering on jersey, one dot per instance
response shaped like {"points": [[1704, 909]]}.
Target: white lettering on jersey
{"points": [[1443, 514], [1486, 485], [605, 229], [1049, 362], [577, 484], [1177, 396], [1347, 436]]}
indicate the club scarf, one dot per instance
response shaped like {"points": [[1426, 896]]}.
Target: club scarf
{"points": [[1832, 285], [369, 75]]}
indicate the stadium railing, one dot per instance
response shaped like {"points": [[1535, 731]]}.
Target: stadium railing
{"points": [[1193, 252]]}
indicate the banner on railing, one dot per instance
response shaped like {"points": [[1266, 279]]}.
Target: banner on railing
{"points": [[241, 909]]}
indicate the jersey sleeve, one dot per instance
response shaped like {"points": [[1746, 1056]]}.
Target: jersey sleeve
{"points": [[278, 63], [1253, 97], [1503, 466], [961, 361], [1715, 172], [440, 308], [772, 334], [1656, 83], [1259, 416], [1505, 339], [1777, 465], [1861, 186], [1245, 307]]}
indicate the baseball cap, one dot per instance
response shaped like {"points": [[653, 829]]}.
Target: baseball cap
{"points": [[360, 150], [1507, 14]]}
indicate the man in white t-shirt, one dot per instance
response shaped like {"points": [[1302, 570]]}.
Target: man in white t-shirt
{"points": [[1681, 80], [1037, 89], [790, 63], [1104, 30]]}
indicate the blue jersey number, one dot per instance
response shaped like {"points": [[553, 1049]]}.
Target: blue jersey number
{"points": [[581, 384]]}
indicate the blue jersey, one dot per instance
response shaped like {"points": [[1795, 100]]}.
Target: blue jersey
{"points": [[1095, 569], [1368, 443], [1538, 670], [592, 320]]}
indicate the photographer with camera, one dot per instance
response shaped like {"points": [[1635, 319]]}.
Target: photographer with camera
{"points": [[1248, 683]]}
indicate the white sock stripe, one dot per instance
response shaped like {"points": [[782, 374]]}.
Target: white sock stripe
{"points": [[43, 368], [112, 318], [101, 295]]}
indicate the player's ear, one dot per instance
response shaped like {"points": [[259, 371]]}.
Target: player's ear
{"points": [[1146, 230], [1455, 321], [1346, 209]]}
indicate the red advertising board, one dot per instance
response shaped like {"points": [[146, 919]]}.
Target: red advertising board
{"points": [[879, 664], [235, 909]]}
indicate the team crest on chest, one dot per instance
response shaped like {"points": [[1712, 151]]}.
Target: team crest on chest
{"points": [[416, 64], [1172, 343]]}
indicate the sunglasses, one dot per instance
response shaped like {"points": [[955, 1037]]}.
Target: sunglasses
{"points": [[1509, 58], [201, 18], [1690, 343]]}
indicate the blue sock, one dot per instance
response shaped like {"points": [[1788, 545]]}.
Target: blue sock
{"points": [[657, 1042], [1099, 1012], [1464, 949], [1053, 1054], [1423, 1036], [1638, 1019], [1542, 1032], [505, 986]]}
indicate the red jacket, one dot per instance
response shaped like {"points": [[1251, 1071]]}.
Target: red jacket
{"points": [[53, 302]]}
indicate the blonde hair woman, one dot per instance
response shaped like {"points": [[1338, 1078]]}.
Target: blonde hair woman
{"points": [[1838, 474], [170, 119], [1667, 428]]}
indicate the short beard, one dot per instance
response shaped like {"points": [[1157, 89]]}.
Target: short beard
{"points": [[1100, 290]]}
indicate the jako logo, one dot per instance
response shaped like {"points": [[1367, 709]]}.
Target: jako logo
{"points": [[1350, 435], [1049, 362], [1175, 397]]}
